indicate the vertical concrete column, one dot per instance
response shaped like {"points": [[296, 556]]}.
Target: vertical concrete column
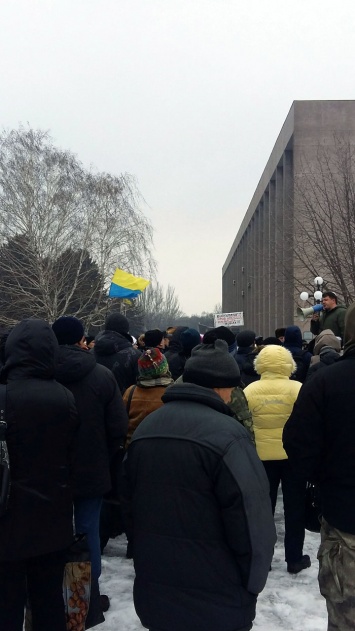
{"points": [[272, 257], [251, 277], [238, 279], [257, 271], [265, 261], [249, 254], [243, 268], [279, 250], [288, 284]]}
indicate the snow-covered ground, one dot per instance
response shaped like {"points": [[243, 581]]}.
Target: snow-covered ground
{"points": [[288, 603]]}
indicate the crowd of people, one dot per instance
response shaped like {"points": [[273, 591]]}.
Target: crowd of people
{"points": [[181, 441]]}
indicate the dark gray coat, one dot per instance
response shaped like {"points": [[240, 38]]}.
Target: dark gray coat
{"points": [[202, 526]]}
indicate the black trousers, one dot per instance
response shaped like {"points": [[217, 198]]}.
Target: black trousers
{"points": [[293, 491], [41, 579]]}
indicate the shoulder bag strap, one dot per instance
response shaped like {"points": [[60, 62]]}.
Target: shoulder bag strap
{"points": [[130, 399]]}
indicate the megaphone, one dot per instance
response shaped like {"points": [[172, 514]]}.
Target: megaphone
{"points": [[304, 313]]}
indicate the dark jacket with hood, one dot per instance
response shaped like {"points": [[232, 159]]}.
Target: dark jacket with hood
{"points": [[293, 343], [116, 352], [175, 344], [42, 424], [103, 419], [319, 436], [203, 531], [327, 357], [245, 356]]}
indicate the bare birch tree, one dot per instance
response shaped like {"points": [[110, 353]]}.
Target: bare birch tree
{"points": [[324, 219], [63, 231], [160, 307]]}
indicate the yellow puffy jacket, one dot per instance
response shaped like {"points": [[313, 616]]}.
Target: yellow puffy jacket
{"points": [[271, 399]]}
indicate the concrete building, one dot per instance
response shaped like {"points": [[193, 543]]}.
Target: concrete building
{"points": [[259, 272]]}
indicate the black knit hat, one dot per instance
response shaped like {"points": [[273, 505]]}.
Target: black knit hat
{"points": [[246, 338], [117, 322], [68, 330], [219, 333], [272, 340], [189, 339], [211, 366], [153, 338]]}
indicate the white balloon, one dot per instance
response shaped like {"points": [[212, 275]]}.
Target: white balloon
{"points": [[304, 295]]}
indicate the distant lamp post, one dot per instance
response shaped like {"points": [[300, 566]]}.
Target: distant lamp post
{"points": [[304, 295], [318, 282]]}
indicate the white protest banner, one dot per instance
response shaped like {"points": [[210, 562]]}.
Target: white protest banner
{"points": [[229, 319]]}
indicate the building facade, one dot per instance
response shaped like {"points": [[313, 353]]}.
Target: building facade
{"points": [[260, 270]]}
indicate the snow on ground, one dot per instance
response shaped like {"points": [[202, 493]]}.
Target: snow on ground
{"points": [[288, 602]]}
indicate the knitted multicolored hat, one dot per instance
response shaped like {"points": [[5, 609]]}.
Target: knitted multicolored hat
{"points": [[152, 364]]}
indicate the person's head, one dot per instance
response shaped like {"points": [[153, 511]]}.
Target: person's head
{"points": [[167, 337], [245, 339], [69, 330], [293, 337], [189, 339], [154, 338], [152, 364], [274, 359], [219, 333], [118, 323], [272, 340], [329, 300], [31, 350], [141, 341], [326, 338], [280, 333], [211, 366]]}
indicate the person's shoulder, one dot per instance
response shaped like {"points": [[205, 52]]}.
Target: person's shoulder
{"points": [[103, 373], [341, 309]]}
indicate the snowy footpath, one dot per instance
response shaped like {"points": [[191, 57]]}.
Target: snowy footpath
{"points": [[288, 603]]}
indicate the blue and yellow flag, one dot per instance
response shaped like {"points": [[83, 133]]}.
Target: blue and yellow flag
{"points": [[124, 285]]}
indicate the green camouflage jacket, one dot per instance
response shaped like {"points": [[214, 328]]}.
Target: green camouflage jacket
{"points": [[239, 406]]}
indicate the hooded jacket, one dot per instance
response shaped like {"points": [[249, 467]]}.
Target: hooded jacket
{"points": [[325, 338], [271, 400], [41, 433], [114, 351], [319, 436], [203, 531], [245, 356], [103, 418], [293, 343], [175, 344]]}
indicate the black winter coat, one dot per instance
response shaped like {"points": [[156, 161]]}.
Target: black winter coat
{"points": [[203, 531], [116, 353], [103, 420], [42, 424], [245, 360], [319, 439]]}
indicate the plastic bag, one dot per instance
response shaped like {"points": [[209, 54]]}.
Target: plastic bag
{"points": [[76, 584]]}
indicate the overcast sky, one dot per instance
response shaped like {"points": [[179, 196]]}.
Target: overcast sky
{"points": [[187, 95]]}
